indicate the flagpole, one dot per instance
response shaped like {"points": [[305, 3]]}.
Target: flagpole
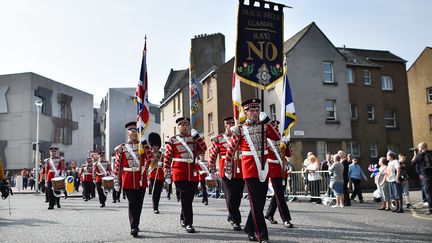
{"points": [[262, 133]]}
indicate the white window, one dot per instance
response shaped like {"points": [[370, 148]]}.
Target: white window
{"points": [[328, 72], [367, 77], [273, 112], [350, 76], [394, 148], [210, 89], [210, 123], [429, 94], [386, 83], [179, 103], [390, 118], [353, 111], [354, 148], [370, 112], [430, 122], [373, 150], [321, 150], [330, 108]]}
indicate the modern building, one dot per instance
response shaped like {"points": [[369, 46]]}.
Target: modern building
{"points": [[420, 97], [66, 120], [117, 108]]}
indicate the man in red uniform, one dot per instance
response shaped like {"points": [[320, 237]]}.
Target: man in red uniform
{"points": [[277, 174], [87, 178], [156, 174], [179, 163], [249, 138], [54, 167], [132, 167], [101, 168], [233, 187]]}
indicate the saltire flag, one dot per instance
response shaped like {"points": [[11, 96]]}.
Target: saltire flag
{"points": [[141, 100], [239, 115], [288, 115], [195, 99]]}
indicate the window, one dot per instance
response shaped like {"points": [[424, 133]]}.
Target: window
{"points": [[179, 103], [321, 150], [174, 106], [210, 89], [273, 112], [390, 118], [350, 76], [370, 112], [353, 111], [330, 108], [328, 72], [210, 123], [366, 77], [429, 94], [394, 148], [373, 150], [386, 83], [354, 148], [430, 122]]}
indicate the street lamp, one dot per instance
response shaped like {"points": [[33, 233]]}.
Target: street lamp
{"points": [[38, 104]]}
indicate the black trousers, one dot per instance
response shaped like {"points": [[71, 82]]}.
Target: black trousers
{"points": [[101, 193], [427, 183], [53, 200], [346, 193], [135, 199], [204, 190], [87, 189], [92, 189], [186, 190], [357, 189], [233, 190], [116, 194], [156, 193], [278, 200], [255, 223]]}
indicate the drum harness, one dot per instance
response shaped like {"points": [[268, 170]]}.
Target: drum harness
{"points": [[101, 167], [52, 165]]}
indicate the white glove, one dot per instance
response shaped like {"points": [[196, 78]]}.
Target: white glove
{"points": [[263, 117], [117, 188], [160, 164], [168, 179], [194, 133]]}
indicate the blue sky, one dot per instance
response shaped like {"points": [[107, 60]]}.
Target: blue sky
{"points": [[95, 44]]}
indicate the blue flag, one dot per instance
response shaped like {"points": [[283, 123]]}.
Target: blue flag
{"points": [[195, 99], [288, 115]]}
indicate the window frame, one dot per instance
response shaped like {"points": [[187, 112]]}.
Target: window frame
{"points": [[373, 150], [429, 95], [331, 72], [210, 89], [350, 73], [367, 77], [383, 82], [372, 112], [272, 108], [333, 102], [210, 123], [351, 112], [387, 118], [351, 150]]}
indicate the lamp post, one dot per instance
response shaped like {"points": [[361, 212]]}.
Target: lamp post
{"points": [[38, 104]]}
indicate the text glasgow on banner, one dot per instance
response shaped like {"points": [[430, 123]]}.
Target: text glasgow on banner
{"points": [[259, 50]]}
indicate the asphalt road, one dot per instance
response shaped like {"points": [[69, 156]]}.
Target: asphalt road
{"points": [[79, 221]]}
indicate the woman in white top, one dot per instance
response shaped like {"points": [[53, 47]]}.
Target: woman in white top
{"points": [[383, 185], [314, 178], [393, 174]]}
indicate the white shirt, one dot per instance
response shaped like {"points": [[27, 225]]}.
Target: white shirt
{"points": [[392, 169], [313, 176]]}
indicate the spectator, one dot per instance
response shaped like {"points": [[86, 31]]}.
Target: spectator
{"points": [[383, 185], [337, 180], [325, 165], [345, 163], [314, 179], [25, 176], [292, 178], [393, 175], [423, 159], [355, 174], [404, 179]]}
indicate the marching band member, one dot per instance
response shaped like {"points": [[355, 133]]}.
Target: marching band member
{"points": [[132, 168], [233, 189], [277, 174], [54, 167], [87, 178], [179, 162], [101, 168], [156, 174], [248, 138]]}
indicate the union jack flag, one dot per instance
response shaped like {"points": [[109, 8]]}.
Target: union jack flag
{"points": [[141, 98]]}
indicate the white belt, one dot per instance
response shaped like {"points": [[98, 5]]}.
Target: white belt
{"points": [[250, 153], [87, 173], [100, 174], [51, 171], [182, 160], [134, 169], [223, 157], [275, 161]]}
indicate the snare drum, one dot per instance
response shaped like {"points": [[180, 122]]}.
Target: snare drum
{"points": [[58, 183], [108, 182], [211, 183]]}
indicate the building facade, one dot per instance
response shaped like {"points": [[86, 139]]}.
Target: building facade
{"points": [[66, 120], [420, 95]]}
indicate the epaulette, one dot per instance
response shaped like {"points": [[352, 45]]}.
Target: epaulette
{"points": [[236, 130], [172, 140], [214, 138], [119, 148]]}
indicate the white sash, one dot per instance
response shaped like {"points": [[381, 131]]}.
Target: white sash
{"points": [[275, 152], [185, 145], [130, 150], [99, 164], [52, 165], [262, 174], [226, 139]]}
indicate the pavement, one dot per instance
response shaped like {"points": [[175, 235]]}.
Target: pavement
{"points": [[79, 221]]}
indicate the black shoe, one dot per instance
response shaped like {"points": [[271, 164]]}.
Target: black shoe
{"points": [[408, 205], [252, 238], [182, 223], [271, 219], [58, 205], [134, 232], [361, 201], [169, 197], [103, 205], [46, 201], [347, 204], [85, 200], [156, 211], [114, 201], [395, 210], [190, 229], [400, 211], [50, 207], [124, 198], [236, 226], [265, 241], [118, 200], [287, 224]]}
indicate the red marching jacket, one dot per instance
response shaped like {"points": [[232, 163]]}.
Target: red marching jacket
{"points": [[238, 142], [101, 169], [178, 162], [87, 171], [276, 170], [156, 172], [219, 147], [133, 173], [59, 164]]}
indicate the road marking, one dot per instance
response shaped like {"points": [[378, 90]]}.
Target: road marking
{"points": [[415, 215]]}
